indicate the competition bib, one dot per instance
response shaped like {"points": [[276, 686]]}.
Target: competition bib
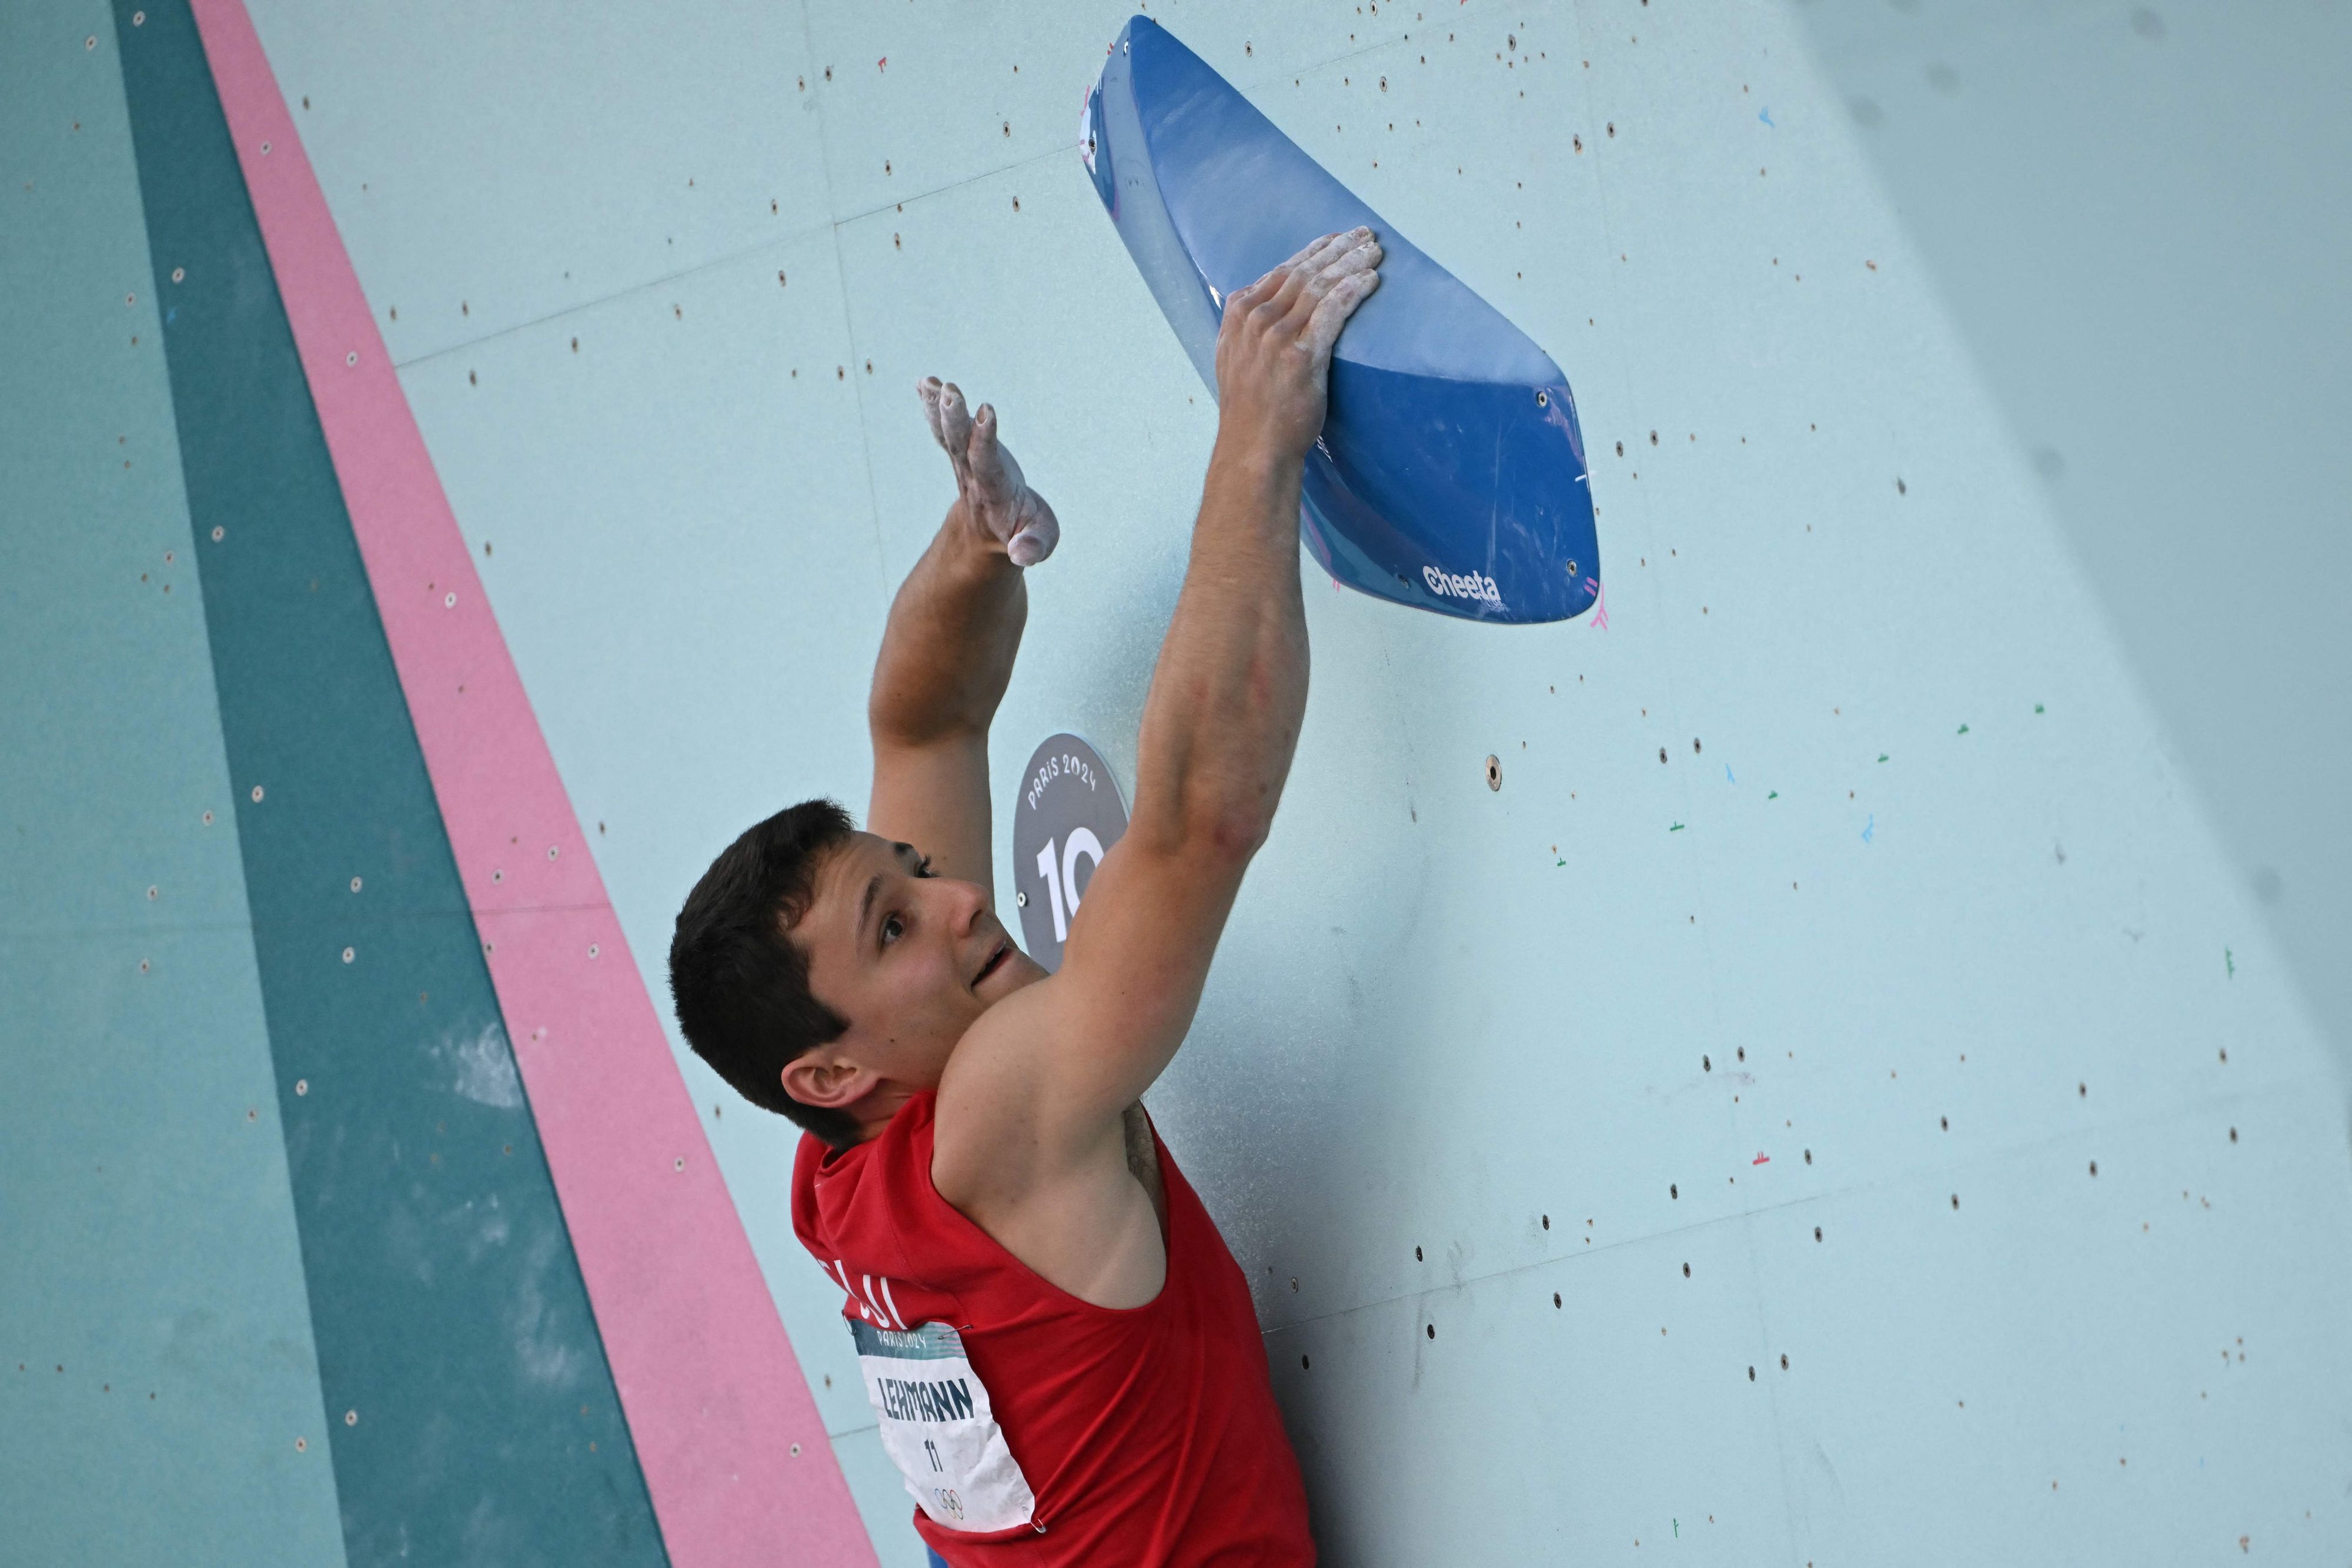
{"points": [[938, 1429]]}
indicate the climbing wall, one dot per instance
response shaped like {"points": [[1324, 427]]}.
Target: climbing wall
{"points": [[1789, 1074]]}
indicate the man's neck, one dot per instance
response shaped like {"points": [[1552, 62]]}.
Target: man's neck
{"points": [[881, 1108]]}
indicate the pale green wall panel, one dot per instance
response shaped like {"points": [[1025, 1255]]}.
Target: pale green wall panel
{"points": [[2139, 218]]}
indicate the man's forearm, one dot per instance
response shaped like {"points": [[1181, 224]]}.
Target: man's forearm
{"points": [[1227, 697], [948, 649]]}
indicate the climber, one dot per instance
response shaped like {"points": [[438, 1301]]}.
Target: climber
{"points": [[1062, 1353]]}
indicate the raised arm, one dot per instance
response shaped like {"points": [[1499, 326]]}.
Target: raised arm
{"points": [[948, 649], [1030, 1127]]}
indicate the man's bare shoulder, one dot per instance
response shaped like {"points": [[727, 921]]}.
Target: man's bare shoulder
{"points": [[994, 1109], [1072, 1195], [998, 1086]]}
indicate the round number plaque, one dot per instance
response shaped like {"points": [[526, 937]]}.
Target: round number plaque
{"points": [[1067, 818]]}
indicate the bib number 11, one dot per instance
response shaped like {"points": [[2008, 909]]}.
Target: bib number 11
{"points": [[937, 1428]]}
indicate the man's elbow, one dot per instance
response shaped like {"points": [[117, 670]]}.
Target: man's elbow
{"points": [[1228, 832], [907, 727], [1204, 828]]}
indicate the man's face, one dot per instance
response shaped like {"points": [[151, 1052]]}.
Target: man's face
{"points": [[910, 959]]}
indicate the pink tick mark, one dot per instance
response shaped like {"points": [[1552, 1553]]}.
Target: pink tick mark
{"points": [[1600, 606], [1761, 1160]]}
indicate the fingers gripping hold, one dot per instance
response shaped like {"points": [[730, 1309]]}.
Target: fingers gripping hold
{"points": [[1339, 299], [1274, 355], [1309, 275], [988, 482]]}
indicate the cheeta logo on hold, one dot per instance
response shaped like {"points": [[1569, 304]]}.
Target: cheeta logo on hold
{"points": [[1470, 587]]}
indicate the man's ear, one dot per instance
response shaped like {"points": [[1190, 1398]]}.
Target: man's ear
{"points": [[821, 1079]]}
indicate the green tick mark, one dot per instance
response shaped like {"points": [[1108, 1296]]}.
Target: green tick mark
{"points": [[1676, 828], [1964, 729], [1773, 795], [1881, 757], [2230, 959], [2037, 707]]}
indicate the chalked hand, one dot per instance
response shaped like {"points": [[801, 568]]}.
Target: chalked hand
{"points": [[1275, 340], [996, 497]]}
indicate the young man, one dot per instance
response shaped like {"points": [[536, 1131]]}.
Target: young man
{"points": [[1061, 1353]]}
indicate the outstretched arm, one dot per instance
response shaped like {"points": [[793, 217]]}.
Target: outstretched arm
{"points": [[948, 649], [1222, 720], [1029, 1133]]}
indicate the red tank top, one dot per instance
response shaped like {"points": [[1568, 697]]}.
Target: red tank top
{"points": [[1034, 1428]]}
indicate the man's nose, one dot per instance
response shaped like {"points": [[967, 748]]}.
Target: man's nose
{"points": [[972, 902]]}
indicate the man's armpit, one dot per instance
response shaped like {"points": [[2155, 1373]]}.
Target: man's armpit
{"points": [[1143, 1161]]}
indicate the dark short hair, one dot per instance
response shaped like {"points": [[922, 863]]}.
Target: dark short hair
{"points": [[739, 984]]}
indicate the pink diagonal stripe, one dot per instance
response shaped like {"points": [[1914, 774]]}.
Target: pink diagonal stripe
{"points": [[734, 1454]]}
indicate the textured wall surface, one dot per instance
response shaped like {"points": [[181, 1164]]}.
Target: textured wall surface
{"points": [[1838, 1100]]}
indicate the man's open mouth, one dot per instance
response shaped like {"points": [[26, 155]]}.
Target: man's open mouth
{"points": [[995, 962]]}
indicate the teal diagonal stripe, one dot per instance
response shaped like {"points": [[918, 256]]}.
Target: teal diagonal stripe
{"points": [[471, 1412]]}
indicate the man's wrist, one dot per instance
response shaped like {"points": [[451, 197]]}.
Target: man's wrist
{"points": [[970, 548], [1247, 458]]}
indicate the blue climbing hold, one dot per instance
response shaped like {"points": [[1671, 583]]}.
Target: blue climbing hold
{"points": [[1449, 475]]}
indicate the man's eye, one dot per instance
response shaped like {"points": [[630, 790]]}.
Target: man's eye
{"points": [[892, 929], [924, 867]]}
